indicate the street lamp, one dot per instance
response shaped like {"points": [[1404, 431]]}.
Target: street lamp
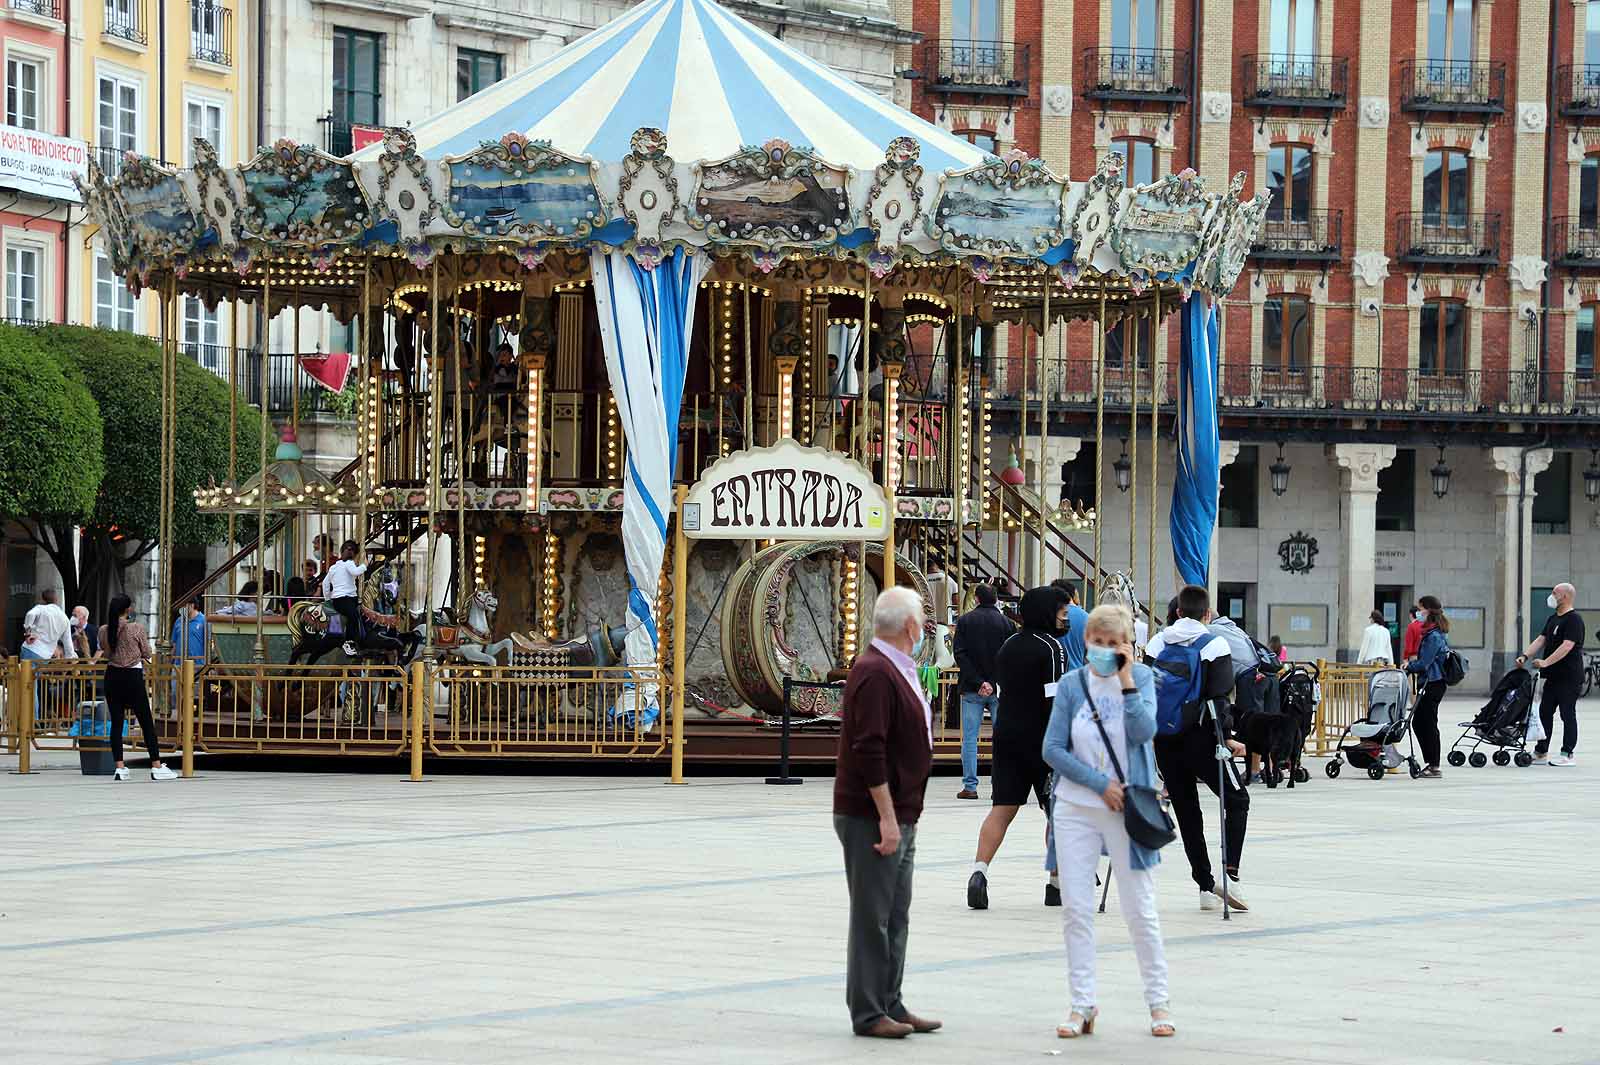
{"points": [[1591, 478], [1280, 473], [1123, 469], [1441, 476]]}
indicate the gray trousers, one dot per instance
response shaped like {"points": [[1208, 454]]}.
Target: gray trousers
{"points": [[880, 913]]}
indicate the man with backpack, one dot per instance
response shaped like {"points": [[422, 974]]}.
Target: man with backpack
{"points": [[1194, 676]]}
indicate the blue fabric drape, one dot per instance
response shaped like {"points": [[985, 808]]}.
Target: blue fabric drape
{"points": [[1194, 491]]}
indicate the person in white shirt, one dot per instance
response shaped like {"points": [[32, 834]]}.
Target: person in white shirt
{"points": [[1377, 646], [48, 630], [339, 587]]}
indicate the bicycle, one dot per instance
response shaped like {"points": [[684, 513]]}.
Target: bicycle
{"points": [[1591, 674]]}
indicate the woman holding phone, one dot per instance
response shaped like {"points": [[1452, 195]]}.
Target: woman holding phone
{"points": [[1098, 740], [127, 649]]}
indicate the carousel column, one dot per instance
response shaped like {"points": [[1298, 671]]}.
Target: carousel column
{"points": [[259, 653], [1227, 452], [893, 366], [787, 345], [1516, 477], [169, 349], [433, 361], [786, 365], [1358, 522]]}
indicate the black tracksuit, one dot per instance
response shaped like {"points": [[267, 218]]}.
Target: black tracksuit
{"points": [[1027, 662]]}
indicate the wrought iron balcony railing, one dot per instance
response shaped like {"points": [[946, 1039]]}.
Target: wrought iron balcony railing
{"points": [[42, 8], [1318, 236], [1578, 90], [1316, 81], [127, 20], [1154, 74], [980, 68], [210, 33], [335, 136], [1452, 85], [1443, 237], [1575, 241]]}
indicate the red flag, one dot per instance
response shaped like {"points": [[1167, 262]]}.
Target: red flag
{"points": [[329, 371]]}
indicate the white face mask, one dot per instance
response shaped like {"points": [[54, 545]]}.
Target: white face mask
{"points": [[1550, 601]]}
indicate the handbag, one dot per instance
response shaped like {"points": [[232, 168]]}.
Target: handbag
{"points": [[1147, 821]]}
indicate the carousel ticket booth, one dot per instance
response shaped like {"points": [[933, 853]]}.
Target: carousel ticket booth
{"points": [[653, 384]]}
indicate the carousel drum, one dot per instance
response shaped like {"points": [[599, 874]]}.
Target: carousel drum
{"points": [[758, 648]]}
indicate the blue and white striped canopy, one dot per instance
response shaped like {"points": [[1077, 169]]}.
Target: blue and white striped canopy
{"points": [[712, 81]]}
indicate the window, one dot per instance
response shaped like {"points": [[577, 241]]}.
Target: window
{"points": [[476, 71], [1139, 160], [356, 98], [1077, 477], [982, 138], [1552, 499], [1134, 25], [1238, 505], [1286, 336], [118, 121], [202, 335], [113, 303], [208, 32], [122, 20], [202, 118], [974, 20], [22, 283], [1583, 357], [1589, 193], [1397, 494], [22, 94], [1442, 340], [1292, 31], [1140, 333], [1449, 34], [1446, 188], [1289, 179]]}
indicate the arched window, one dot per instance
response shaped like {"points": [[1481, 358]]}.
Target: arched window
{"points": [[1583, 354], [1442, 340], [1139, 160], [1446, 188], [1286, 336], [1289, 171]]}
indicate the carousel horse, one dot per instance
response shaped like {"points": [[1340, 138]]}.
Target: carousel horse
{"points": [[313, 627], [1117, 587], [471, 637]]}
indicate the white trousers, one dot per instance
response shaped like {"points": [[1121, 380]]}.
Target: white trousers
{"points": [[1081, 832]]}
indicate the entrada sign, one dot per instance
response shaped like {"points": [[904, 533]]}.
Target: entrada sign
{"points": [[786, 492]]}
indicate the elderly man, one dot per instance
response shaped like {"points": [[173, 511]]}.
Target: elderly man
{"points": [[885, 756], [1562, 665]]}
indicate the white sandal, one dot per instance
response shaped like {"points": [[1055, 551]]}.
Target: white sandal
{"points": [[1083, 1025], [1162, 1027]]}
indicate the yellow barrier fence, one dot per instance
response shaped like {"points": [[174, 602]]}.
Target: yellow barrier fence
{"points": [[1344, 701], [300, 709], [569, 712], [947, 721]]}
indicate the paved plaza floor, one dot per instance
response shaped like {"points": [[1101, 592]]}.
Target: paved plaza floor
{"points": [[358, 919]]}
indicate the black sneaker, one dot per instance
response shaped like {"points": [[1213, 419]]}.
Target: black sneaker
{"points": [[1052, 895], [978, 891]]}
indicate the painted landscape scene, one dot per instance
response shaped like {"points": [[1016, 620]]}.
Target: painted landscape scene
{"points": [[813, 201], [1016, 217], [327, 199], [159, 208], [556, 200]]}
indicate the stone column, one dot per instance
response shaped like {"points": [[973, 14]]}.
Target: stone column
{"points": [[1228, 453], [1504, 636], [1358, 523]]}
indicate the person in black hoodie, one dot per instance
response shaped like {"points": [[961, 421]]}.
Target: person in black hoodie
{"points": [[980, 633], [1027, 668]]}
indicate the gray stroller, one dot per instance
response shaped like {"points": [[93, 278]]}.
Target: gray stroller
{"points": [[1380, 733]]}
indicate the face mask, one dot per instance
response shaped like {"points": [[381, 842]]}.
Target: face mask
{"points": [[1550, 601], [1415, 614], [916, 647], [1103, 660]]}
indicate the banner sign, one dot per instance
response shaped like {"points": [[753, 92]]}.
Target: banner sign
{"points": [[40, 164], [362, 136], [786, 492]]}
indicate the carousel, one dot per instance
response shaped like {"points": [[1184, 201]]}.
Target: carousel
{"points": [[665, 364]]}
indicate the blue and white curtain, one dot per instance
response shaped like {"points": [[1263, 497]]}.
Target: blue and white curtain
{"points": [[646, 320], [1194, 492]]}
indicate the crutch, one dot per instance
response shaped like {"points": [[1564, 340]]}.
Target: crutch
{"points": [[1107, 889], [1224, 760]]}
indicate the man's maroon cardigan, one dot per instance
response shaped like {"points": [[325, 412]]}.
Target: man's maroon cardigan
{"points": [[884, 740]]}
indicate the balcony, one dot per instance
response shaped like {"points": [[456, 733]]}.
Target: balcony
{"points": [[1148, 75], [210, 33], [1303, 81], [1318, 237], [335, 136], [977, 68], [1448, 239], [50, 9], [1451, 86], [126, 20], [1578, 90], [1575, 242]]}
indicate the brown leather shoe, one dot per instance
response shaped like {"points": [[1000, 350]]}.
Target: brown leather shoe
{"points": [[886, 1028], [921, 1024], [966, 793]]}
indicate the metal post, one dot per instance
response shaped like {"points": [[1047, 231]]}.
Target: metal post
{"points": [[680, 619], [419, 697], [186, 712], [1130, 344], [1155, 428], [1044, 426], [432, 362], [260, 653], [1099, 441], [783, 776]]}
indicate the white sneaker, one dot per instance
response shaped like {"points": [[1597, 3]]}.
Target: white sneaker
{"points": [[163, 773], [1562, 759], [1235, 897], [1209, 901], [122, 774]]}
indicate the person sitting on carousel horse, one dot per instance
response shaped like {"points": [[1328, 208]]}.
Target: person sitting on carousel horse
{"points": [[342, 593]]}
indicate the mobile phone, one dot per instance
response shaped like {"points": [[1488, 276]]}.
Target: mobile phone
{"points": [[1122, 660]]}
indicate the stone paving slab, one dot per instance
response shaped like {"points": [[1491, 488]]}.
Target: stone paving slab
{"points": [[357, 919]]}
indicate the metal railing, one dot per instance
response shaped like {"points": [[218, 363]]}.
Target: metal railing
{"points": [[997, 68], [1344, 701], [562, 711], [210, 33], [1294, 80], [1317, 236], [1159, 74], [1575, 241], [1443, 237], [324, 709], [336, 136], [42, 8], [1578, 89], [109, 159], [1452, 85], [127, 20]]}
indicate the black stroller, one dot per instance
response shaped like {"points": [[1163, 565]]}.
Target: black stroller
{"points": [[1298, 693], [1274, 729], [1388, 722], [1502, 724]]}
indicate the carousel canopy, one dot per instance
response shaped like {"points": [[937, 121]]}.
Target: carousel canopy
{"points": [[706, 78]]}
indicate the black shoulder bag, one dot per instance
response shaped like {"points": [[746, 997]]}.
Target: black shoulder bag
{"points": [[1146, 820]]}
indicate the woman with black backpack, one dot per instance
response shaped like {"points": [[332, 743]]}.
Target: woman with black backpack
{"points": [[1429, 665]]}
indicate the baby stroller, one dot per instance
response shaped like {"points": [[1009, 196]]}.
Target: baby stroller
{"points": [[1388, 721], [1502, 724], [1297, 703]]}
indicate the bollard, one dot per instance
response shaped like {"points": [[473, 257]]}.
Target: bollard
{"points": [[186, 715], [783, 776], [419, 694], [25, 712]]}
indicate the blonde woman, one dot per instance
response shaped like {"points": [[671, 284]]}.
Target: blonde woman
{"points": [[1099, 738]]}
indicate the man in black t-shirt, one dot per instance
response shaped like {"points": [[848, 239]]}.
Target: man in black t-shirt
{"points": [[1562, 666]]}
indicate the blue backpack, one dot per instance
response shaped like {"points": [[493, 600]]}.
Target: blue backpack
{"points": [[1179, 675]]}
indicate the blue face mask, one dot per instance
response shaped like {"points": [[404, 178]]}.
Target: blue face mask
{"points": [[916, 648], [1103, 660]]}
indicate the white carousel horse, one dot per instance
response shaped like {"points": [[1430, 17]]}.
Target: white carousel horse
{"points": [[1117, 587], [473, 639]]}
